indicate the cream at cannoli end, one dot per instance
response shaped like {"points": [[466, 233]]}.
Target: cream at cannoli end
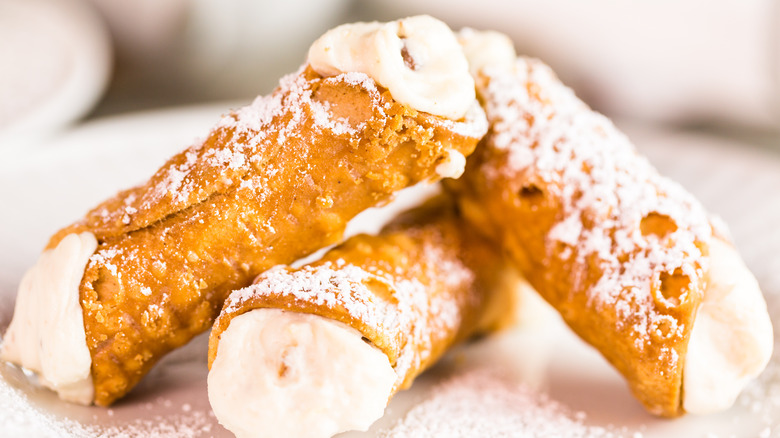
{"points": [[294, 374], [731, 341], [418, 59], [46, 334]]}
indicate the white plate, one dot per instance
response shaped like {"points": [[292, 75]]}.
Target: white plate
{"points": [[54, 185]]}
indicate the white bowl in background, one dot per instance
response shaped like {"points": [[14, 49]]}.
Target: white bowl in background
{"points": [[56, 61]]}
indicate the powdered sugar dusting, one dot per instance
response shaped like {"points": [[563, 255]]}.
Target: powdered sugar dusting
{"points": [[102, 257], [239, 141], [414, 315], [480, 403], [188, 424], [295, 96], [476, 125], [174, 182], [28, 419], [606, 190], [325, 285]]}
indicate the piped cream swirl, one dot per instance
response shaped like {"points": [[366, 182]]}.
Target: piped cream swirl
{"points": [[418, 59]]}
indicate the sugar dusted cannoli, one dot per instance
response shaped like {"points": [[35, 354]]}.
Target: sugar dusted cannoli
{"points": [[628, 257], [318, 350], [147, 270]]}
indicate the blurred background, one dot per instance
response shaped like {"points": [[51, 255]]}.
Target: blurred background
{"points": [[703, 65]]}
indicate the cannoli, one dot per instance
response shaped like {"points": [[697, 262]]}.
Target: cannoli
{"points": [[314, 351], [628, 257], [147, 270]]}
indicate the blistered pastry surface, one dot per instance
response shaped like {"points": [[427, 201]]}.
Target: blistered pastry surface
{"points": [[617, 248], [412, 291], [272, 182]]}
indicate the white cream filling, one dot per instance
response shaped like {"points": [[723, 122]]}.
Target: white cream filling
{"points": [[47, 334], [453, 165], [280, 373], [434, 77], [731, 340], [487, 48]]}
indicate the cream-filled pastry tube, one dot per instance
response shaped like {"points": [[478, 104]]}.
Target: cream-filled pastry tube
{"points": [[319, 350], [271, 182], [628, 257]]}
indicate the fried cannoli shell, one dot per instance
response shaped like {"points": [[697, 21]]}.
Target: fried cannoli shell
{"points": [[618, 250], [426, 282], [271, 183]]}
